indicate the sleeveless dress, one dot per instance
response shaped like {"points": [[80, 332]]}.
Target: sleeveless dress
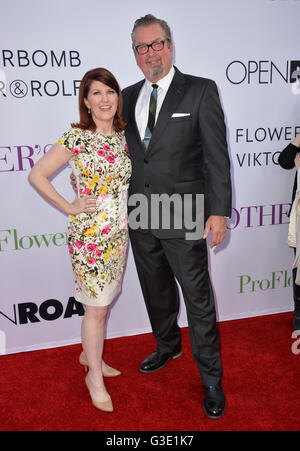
{"points": [[98, 241]]}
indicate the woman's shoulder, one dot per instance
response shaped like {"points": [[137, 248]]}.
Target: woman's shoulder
{"points": [[74, 131], [70, 137]]}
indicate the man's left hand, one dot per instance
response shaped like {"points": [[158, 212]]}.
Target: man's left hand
{"points": [[218, 227]]}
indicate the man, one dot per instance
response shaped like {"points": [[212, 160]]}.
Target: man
{"points": [[178, 145]]}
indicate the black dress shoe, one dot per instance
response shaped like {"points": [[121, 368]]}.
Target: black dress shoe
{"points": [[296, 321], [214, 401], [156, 361]]}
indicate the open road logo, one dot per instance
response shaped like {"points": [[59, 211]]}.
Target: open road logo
{"points": [[262, 72]]}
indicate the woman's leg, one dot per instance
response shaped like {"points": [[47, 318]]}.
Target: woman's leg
{"points": [[296, 296], [92, 333]]}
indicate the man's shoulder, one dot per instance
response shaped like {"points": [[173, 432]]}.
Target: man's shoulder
{"points": [[132, 88], [193, 82], [195, 79]]}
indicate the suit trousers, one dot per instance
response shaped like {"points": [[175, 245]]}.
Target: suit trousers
{"points": [[159, 263]]}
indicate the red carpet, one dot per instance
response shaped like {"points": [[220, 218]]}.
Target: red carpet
{"points": [[45, 390]]}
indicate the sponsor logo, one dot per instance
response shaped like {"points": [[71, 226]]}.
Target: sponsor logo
{"points": [[41, 88], [40, 58], [10, 240], [262, 135], [262, 72], [274, 280], [49, 310], [21, 157], [259, 215], [13, 80]]}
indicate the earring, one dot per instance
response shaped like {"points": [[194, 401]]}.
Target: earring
{"points": [[89, 111]]}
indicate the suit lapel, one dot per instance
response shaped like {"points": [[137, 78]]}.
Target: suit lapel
{"points": [[132, 121]]}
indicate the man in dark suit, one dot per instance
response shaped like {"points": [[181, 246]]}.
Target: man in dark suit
{"points": [[177, 146]]}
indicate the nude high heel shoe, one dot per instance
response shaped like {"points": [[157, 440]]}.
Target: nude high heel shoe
{"points": [[112, 372], [106, 406]]}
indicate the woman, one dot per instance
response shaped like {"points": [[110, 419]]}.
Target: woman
{"points": [[288, 159], [97, 153]]}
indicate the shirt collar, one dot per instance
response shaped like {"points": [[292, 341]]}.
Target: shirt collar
{"points": [[164, 82]]}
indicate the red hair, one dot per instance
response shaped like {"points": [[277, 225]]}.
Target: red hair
{"points": [[85, 119]]}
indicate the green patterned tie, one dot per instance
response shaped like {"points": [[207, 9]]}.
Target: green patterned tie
{"points": [[151, 117]]}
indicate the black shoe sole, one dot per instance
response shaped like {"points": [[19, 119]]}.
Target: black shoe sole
{"points": [[160, 367]]}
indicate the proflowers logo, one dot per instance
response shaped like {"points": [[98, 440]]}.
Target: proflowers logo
{"points": [[18, 79], [271, 281]]}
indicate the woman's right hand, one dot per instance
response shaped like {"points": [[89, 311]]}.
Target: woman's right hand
{"points": [[296, 140], [84, 204], [73, 182], [297, 160]]}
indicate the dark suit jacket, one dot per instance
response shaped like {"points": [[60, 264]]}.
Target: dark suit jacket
{"points": [[286, 161], [186, 155]]}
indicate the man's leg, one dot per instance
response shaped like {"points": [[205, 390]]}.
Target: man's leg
{"points": [[159, 289], [188, 260]]}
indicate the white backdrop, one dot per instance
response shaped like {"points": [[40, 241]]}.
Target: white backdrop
{"points": [[250, 48]]}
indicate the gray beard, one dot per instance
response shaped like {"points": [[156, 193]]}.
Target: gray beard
{"points": [[155, 72]]}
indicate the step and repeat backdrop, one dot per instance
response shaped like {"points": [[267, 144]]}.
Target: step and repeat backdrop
{"points": [[250, 48]]}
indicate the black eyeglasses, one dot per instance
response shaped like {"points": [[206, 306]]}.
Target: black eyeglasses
{"points": [[142, 49]]}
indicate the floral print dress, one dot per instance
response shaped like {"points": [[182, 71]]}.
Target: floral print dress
{"points": [[98, 240]]}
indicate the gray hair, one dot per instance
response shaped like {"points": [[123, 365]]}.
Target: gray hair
{"points": [[151, 20]]}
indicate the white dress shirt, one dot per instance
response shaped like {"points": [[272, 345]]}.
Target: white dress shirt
{"points": [[142, 104]]}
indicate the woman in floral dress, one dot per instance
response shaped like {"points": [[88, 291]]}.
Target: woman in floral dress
{"points": [[97, 153]]}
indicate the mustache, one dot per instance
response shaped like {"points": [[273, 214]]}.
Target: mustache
{"points": [[153, 59]]}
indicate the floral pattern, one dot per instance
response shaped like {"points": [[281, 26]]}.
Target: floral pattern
{"points": [[98, 240]]}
